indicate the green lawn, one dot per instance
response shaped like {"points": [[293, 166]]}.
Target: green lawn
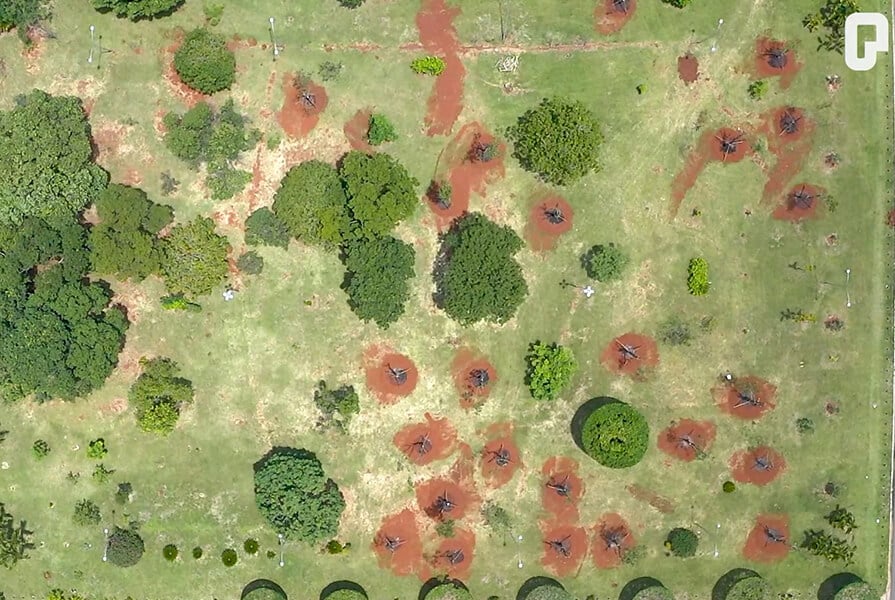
{"points": [[254, 361]]}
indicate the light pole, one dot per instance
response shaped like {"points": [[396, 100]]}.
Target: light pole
{"points": [[106, 546], [92, 45], [847, 295], [519, 562], [717, 34], [718, 529], [280, 535], [273, 39]]}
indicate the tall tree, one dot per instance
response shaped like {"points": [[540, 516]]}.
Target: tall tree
{"points": [[380, 192], [312, 204], [138, 9], [159, 394], [195, 258], [376, 279]]}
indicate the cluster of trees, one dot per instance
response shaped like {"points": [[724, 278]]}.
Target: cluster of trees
{"points": [[336, 406], [616, 435], [159, 394], [549, 369], [204, 62], [138, 9]]}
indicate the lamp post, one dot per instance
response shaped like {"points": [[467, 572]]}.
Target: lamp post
{"points": [[847, 295], [106, 547], [519, 562], [280, 535], [92, 45], [273, 39], [717, 34]]}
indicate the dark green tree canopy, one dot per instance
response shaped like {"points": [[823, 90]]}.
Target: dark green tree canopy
{"points": [[476, 276], [380, 192], [448, 591], [264, 228], [615, 435], [376, 278], [296, 497], [125, 547], [204, 62], [138, 9], [604, 262], [22, 14], [682, 542], [15, 539], [45, 167], [859, 590], [159, 394], [312, 204], [558, 140], [195, 258]]}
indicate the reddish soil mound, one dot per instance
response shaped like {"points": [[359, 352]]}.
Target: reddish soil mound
{"points": [[401, 529], [467, 371], [790, 149], [182, 91], [463, 541], [500, 457], [688, 68], [661, 504], [439, 37], [800, 203], [356, 131], [562, 499], [769, 540], [565, 547], [385, 371], [298, 117], [759, 465], [764, 48], [426, 442], [611, 15], [429, 492], [728, 135], [611, 539], [747, 397], [549, 218], [708, 148], [617, 360], [687, 439]]}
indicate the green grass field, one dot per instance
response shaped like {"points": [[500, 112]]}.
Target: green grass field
{"points": [[254, 361]]}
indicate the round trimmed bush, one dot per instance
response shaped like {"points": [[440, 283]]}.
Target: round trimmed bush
{"points": [[549, 592], [197, 552], [605, 262], [349, 594], [229, 557], [728, 487], [250, 546], [170, 552], [263, 589], [615, 435], [204, 62], [656, 592], [448, 591], [750, 588], [125, 547], [859, 590], [682, 542]]}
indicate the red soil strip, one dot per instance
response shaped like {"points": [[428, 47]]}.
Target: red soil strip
{"points": [[182, 91], [759, 548], [603, 556], [674, 440], [465, 362], [575, 540], [890, 218], [441, 435], [158, 122], [559, 470], [540, 232], [791, 150], [608, 19], [377, 361], [789, 210], [494, 474], [356, 131], [257, 178], [237, 43], [646, 349], [763, 69], [438, 36], [744, 469], [728, 397], [663, 505], [296, 118], [462, 540], [409, 554], [428, 492], [708, 148], [688, 68]]}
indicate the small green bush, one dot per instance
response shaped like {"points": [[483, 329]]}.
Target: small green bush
{"points": [[178, 302], [264, 228], [334, 547], [229, 557], [757, 89], [804, 425], [101, 474], [40, 449], [682, 542], [170, 552], [123, 494], [442, 193], [428, 65], [445, 528], [549, 592], [97, 449], [205, 63], [329, 70], [678, 3], [698, 277], [351, 3], [213, 13], [86, 513], [615, 435], [549, 369], [728, 487], [380, 130], [250, 546], [271, 554], [750, 588], [448, 591], [859, 590], [674, 331], [124, 547], [250, 263], [197, 552], [225, 182], [604, 262], [496, 517]]}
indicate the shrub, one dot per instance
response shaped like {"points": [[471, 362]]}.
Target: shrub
{"points": [[138, 9], [674, 331], [86, 513], [271, 554], [698, 277], [124, 547], [250, 546], [350, 594], [442, 193], [123, 493], [334, 547], [496, 517], [750, 588], [831, 17], [549, 592], [828, 546], [380, 130], [159, 394], [678, 3], [337, 405], [549, 369], [213, 13], [204, 63], [482, 151], [224, 182], [428, 65], [377, 273], [264, 228], [329, 70], [170, 552], [728, 487], [842, 519], [859, 590], [604, 262], [101, 473], [445, 528], [197, 552], [804, 425], [615, 435], [40, 449], [229, 557], [178, 302], [448, 591], [195, 258], [97, 449], [654, 592], [250, 263], [351, 3], [758, 89], [682, 542]]}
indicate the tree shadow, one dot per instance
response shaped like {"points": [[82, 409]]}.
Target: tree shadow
{"points": [[344, 584], [833, 585], [583, 412], [265, 584], [534, 583], [724, 584], [635, 586], [435, 582]]}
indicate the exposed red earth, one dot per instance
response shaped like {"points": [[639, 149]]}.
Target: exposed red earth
{"points": [[565, 547], [615, 358], [500, 458], [765, 49], [611, 538], [356, 131], [463, 541], [466, 370], [791, 149], [563, 488], [747, 397], [299, 116], [759, 466], [611, 15], [428, 494], [438, 36], [800, 203], [548, 219], [768, 541], [660, 503], [381, 366], [427, 442], [687, 439], [708, 148], [688, 68], [401, 529]]}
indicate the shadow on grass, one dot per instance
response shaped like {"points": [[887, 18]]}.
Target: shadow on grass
{"points": [[337, 586], [262, 584], [583, 412], [635, 586], [534, 583], [728, 580], [833, 584], [438, 582]]}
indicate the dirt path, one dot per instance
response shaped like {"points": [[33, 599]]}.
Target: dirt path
{"points": [[438, 36]]}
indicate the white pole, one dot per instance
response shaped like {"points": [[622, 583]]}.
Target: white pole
{"points": [[847, 295], [280, 535], [92, 44], [106, 548], [273, 38]]}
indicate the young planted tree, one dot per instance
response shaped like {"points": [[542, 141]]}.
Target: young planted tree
{"points": [[204, 62], [682, 542], [605, 262], [549, 369], [312, 204], [86, 513], [380, 130], [138, 9], [159, 394], [830, 547], [337, 405], [376, 278], [124, 547], [194, 259]]}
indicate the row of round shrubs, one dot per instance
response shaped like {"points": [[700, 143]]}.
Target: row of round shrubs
{"points": [[228, 556]]}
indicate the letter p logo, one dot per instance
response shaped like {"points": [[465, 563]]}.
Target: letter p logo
{"points": [[871, 48]]}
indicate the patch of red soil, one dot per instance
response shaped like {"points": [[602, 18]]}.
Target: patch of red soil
{"points": [[182, 91], [465, 363], [759, 466], [764, 69], [237, 43], [541, 232], [158, 122], [730, 399], [726, 133], [562, 471], [760, 545], [708, 148], [228, 218], [608, 18], [566, 555], [378, 365], [688, 68], [408, 556], [257, 179], [438, 36], [440, 434], [132, 178], [500, 443], [428, 492], [647, 352], [605, 556], [687, 439], [790, 210], [356, 131], [790, 149], [890, 218], [463, 541], [296, 117], [661, 504], [106, 138]]}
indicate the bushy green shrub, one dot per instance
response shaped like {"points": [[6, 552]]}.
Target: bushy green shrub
{"points": [[40, 449], [445, 528], [250, 546], [124, 547], [348, 594], [750, 588], [615, 435], [96, 449], [448, 591], [170, 552], [229, 557], [264, 228], [123, 493], [728, 487], [675, 331], [549, 592], [178, 302], [159, 394], [351, 3], [605, 262], [337, 405], [653, 592], [204, 62], [101, 473], [757, 89], [197, 552], [678, 3], [329, 70], [86, 513], [496, 517], [859, 590], [549, 369], [213, 13], [138, 9], [224, 182], [698, 277], [380, 130], [831, 17], [250, 263], [428, 65], [682, 542]]}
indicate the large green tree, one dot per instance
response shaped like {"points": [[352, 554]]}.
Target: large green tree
{"points": [[159, 394], [312, 204], [22, 14], [476, 276], [204, 62], [138, 9], [296, 497], [46, 169], [195, 258], [377, 272], [380, 192]]}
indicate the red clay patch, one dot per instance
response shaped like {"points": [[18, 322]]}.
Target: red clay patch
{"points": [[182, 91], [747, 397], [661, 504], [429, 493], [708, 148], [790, 148], [765, 55], [687, 439], [800, 203], [688, 68], [299, 116], [768, 541], [611, 15], [356, 131], [426, 442], [565, 547], [563, 488], [384, 371], [549, 218], [611, 539], [455, 554], [401, 529], [467, 370], [500, 457], [438, 36], [758, 466], [618, 360]]}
